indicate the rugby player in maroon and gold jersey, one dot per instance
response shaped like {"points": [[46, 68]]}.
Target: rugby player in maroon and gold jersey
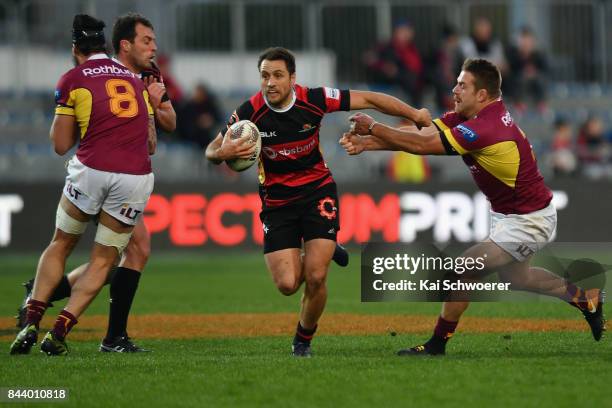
{"points": [[503, 165], [298, 193], [104, 107], [135, 47]]}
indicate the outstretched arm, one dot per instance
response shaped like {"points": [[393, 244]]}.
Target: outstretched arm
{"points": [[356, 144], [390, 105], [424, 141]]}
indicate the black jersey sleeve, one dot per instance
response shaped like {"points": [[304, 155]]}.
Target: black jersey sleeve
{"points": [[330, 99]]}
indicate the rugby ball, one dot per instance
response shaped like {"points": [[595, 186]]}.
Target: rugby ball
{"points": [[241, 129]]}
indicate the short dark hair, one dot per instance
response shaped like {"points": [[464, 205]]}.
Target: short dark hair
{"points": [[486, 75], [125, 28], [278, 53], [88, 34]]}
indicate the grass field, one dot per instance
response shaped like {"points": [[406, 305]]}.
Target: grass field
{"points": [[508, 367]]}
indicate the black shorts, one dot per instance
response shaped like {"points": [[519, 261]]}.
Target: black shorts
{"points": [[314, 217]]}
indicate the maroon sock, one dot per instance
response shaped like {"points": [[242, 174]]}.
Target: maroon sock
{"points": [[63, 324], [444, 329], [303, 335], [577, 296], [35, 311]]}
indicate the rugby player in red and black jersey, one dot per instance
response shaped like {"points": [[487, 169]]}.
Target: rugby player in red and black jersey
{"points": [[135, 48], [104, 108], [298, 193], [503, 165]]}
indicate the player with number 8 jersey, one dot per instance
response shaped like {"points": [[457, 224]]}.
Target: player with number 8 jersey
{"points": [[106, 99]]}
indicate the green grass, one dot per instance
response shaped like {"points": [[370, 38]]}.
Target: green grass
{"points": [[530, 369]]}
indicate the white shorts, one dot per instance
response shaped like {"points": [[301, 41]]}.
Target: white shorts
{"points": [[522, 235], [123, 196]]}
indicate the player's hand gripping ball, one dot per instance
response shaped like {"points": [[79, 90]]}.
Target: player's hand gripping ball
{"points": [[239, 130]]}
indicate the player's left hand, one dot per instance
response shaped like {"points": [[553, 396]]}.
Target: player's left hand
{"points": [[156, 91], [353, 144], [423, 118], [360, 123]]}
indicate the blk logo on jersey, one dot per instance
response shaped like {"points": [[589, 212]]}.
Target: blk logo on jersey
{"points": [[468, 134], [327, 208], [129, 212]]}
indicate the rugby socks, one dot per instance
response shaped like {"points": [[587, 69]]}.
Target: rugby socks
{"points": [[35, 311], [62, 291], [123, 287], [64, 323], [443, 331], [303, 335]]}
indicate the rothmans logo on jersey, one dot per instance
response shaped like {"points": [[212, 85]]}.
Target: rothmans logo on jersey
{"points": [[332, 93], [107, 69], [468, 134]]}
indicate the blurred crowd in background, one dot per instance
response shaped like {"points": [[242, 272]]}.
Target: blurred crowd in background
{"points": [[399, 67], [554, 56]]}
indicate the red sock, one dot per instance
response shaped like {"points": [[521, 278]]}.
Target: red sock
{"points": [[303, 335], [35, 311], [63, 324], [444, 329]]}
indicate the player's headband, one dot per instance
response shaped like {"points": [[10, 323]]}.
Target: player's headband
{"points": [[92, 36]]}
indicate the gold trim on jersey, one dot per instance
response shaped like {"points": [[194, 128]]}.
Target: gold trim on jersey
{"points": [[64, 110], [261, 172], [451, 139], [82, 100], [440, 124], [501, 159], [145, 94]]}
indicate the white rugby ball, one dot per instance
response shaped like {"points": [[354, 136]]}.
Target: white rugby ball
{"points": [[241, 129]]}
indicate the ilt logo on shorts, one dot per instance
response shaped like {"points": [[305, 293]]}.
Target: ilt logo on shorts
{"points": [[73, 192], [327, 208], [129, 212]]}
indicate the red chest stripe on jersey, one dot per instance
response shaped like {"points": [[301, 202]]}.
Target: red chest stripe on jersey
{"points": [[304, 192], [308, 108], [258, 115], [297, 179]]}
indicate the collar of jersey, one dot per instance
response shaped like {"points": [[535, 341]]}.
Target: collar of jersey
{"points": [[283, 109], [97, 57], [123, 65], [488, 107]]}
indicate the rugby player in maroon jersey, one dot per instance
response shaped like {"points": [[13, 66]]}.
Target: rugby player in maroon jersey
{"points": [[104, 107], [503, 165], [298, 193], [135, 47]]}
